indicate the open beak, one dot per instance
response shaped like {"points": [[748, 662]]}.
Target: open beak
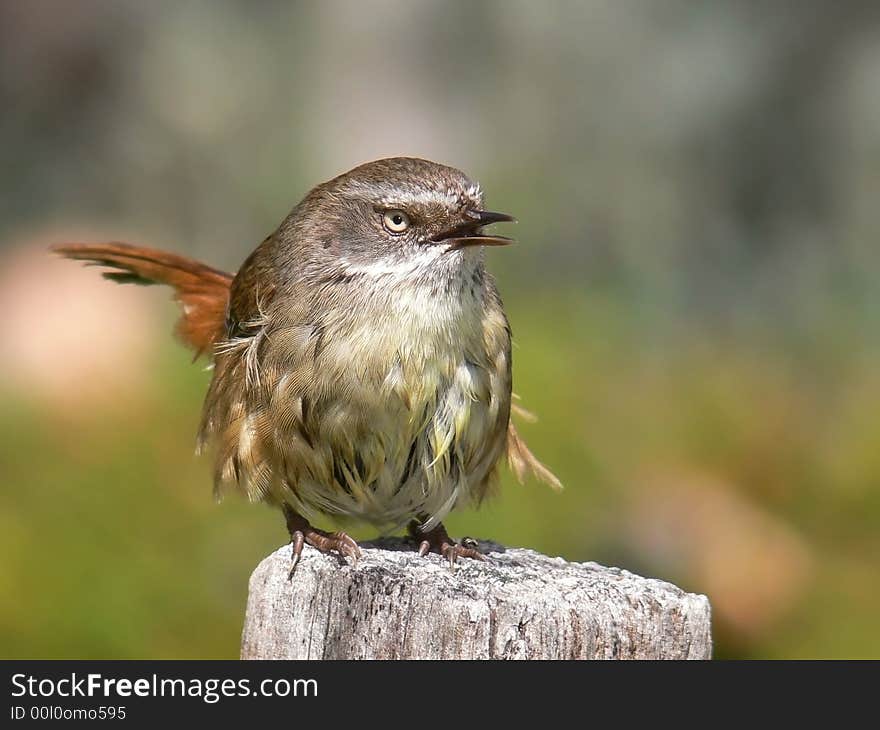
{"points": [[470, 231]]}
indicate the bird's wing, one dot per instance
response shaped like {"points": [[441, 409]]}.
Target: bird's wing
{"points": [[505, 437]]}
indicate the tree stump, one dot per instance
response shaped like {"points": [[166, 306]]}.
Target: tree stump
{"points": [[518, 604]]}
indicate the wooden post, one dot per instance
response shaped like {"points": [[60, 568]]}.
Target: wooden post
{"points": [[518, 604]]}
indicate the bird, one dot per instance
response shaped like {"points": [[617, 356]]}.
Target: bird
{"points": [[360, 357]]}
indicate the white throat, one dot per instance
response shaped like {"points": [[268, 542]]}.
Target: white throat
{"points": [[427, 264]]}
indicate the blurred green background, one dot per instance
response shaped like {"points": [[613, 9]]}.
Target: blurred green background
{"points": [[695, 296]]}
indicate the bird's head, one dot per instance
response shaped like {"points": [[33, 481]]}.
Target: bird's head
{"points": [[400, 214]]}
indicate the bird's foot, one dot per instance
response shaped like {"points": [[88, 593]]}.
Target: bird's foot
{"points": [[438, 541], [302, 532]]}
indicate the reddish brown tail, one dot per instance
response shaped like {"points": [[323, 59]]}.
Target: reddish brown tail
{"points": [[202, 291]]}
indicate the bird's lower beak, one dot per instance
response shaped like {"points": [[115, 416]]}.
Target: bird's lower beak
{"points": [[470, 231]]}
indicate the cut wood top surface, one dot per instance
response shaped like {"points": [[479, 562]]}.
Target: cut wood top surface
{"points": [[518, 604]]}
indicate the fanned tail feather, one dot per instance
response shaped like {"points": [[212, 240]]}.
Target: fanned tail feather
{"points": [[523, 462], [202, 291]]}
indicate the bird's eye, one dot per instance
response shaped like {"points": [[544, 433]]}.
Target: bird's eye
{"points": [[395, 221]]}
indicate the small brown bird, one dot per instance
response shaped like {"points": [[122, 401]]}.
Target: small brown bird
{"points": [[361, 355]]}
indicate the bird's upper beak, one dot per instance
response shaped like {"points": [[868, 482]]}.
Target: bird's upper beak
{"points": [[470, 231]]}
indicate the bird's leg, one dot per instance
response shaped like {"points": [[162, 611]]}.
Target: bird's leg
{"points": [[438, 541], [302, 532]]}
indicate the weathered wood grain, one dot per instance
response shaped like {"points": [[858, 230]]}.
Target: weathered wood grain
{"points": [[518, 604]]}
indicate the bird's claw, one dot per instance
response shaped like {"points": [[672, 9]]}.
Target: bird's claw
{"points": [[301, 533], [453, 551], [297, 540], [438, 541]]}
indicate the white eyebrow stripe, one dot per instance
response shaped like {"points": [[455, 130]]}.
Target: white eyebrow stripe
{"points": [[422, 197], [426, 196]]}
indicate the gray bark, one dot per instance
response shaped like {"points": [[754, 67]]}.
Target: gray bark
{"points": [[518, 604]]}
